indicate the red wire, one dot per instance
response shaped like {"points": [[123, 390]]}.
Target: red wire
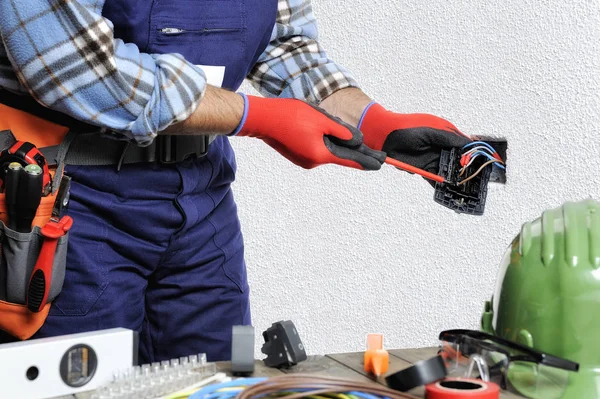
{"points": [[412, 169]]}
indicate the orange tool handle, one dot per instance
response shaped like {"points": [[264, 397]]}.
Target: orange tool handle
{"points": [[41, 277], [412, 169]]}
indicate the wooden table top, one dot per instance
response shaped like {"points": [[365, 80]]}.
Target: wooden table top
{"points": [[350, 365], [344, 365]]}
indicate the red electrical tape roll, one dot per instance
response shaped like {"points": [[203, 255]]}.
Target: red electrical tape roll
{"points": [[458, 388]]}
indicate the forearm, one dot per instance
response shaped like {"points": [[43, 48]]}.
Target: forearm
{"points": [[347, 104], [219, 112]]}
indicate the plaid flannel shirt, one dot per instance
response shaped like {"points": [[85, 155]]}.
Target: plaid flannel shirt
{"points": [[64, 54]]}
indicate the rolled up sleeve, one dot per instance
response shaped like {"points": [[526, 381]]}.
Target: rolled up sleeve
{"points": [[64, 54], [294, 64]]}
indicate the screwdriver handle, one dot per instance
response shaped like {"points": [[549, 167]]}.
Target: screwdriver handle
{"points": [[30, 195], [11, 190], [41, 277]]}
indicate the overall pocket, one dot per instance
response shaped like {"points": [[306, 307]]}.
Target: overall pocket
{"points": [[209, 33]]}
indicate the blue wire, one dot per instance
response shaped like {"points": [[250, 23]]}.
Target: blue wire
{"points": [[484, 153], [479, 143], [225, 394], [222, 395], [210, 389], [489, 156], [363, 395]]}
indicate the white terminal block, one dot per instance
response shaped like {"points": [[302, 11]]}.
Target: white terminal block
{"points": [[67, 364]]}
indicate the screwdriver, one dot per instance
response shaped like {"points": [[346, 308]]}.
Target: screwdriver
{"points": [[412, 169], [12, 190], [29, 196]]}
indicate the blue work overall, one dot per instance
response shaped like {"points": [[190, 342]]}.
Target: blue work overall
{"points": [[158, 248]]}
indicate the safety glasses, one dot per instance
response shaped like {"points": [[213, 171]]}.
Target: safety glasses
{"points": [[534, 374]]}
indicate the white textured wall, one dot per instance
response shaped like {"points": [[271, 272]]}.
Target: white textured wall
{"points": [[343, 252]]}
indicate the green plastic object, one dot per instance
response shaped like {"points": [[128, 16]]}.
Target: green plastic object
{"points": [[547, 294]]}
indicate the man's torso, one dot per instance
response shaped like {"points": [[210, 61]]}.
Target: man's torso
{"points": [[225, 37]]}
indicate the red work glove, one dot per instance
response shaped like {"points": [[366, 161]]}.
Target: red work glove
{"points": [[416, 139], [306, 135]]}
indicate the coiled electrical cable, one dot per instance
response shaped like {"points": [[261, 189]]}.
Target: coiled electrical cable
{"points": [[296, 386]]}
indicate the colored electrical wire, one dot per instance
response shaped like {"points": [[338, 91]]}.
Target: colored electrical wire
{"points": [[479, 143], [478, 153], [185, 393], [475, 155], [477, 172], [469, 155], [225, 390], [296, 386], [478, 148], [481, 147]]}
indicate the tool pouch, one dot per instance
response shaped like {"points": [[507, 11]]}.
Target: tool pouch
{"points": [[19, 254], [19, 251]]}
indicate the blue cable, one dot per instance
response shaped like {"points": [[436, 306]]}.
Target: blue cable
{"points": [[489, 156], [223, 395], [479, 143], [363, 395], [209, 390]]}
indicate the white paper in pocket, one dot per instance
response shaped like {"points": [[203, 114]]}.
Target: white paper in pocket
{"points": [[214, 74]]}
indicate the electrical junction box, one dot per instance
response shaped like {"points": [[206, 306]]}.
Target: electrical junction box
{"points": [[469, 196]]}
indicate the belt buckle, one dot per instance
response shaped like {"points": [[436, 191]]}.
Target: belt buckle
{"points": [[171, 149]]}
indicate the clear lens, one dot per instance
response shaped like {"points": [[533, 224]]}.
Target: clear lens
{"points": [[450, 352], [537, 380], [463, 361], [491, 362], [497, 364]]}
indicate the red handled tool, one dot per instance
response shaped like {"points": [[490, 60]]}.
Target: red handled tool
{"points": [[41, 277], [412, 169], [39, 284]]}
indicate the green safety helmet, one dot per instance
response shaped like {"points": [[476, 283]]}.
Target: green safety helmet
{"points": [[547, 294]]}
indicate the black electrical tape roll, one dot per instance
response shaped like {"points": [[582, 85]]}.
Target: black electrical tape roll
{"points": [[421, 373]]}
